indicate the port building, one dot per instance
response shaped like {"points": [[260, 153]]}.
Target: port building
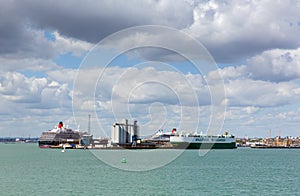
{"points": [[125, 133]]}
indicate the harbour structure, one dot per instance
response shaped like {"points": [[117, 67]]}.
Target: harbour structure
{"points": [[277, 142], [270, 142], [127, 135], [12, 140], [202, 141]]}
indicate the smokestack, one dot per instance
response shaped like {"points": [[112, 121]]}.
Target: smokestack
{"points": [[89, 125], [60, 125]]}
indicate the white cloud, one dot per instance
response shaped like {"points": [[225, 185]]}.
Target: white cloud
{"points": [[34, 103], [263, 90], [52, 97], [16, 63], [275, 65], [140, 91], [39, 52], [247, 92], [16, 88], [228, 73], [250, 109], [229, 29], [92, 21], [64, 45], [63, 75], [232, 30], [269, 79]]}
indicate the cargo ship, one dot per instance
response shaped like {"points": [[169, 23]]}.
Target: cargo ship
{"points": [[60, 136], [201, 141]]}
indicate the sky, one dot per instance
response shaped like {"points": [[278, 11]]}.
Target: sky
{"points": [[205, 66]]}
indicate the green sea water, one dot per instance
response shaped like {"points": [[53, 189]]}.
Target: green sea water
{"points": [[27, 170]]}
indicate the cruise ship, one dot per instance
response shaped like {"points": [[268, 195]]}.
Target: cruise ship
{"points": [[201, 141], [160, 135], [59, 136]]}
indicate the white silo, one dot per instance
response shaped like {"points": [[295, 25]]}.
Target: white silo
{"points": [[122, 133]]}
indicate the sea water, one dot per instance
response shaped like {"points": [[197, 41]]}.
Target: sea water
{"points": [[26, 169]]}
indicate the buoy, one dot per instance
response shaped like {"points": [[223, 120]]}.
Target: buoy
{"points": [[123, 160]]}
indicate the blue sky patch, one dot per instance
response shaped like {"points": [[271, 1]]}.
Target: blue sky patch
{"points": [[68, 60], [50, 36]]}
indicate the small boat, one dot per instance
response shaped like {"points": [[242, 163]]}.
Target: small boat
{"points": [[64, 148]]}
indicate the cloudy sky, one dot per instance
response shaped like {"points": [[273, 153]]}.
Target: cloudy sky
{"points": [[200, 65]]}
